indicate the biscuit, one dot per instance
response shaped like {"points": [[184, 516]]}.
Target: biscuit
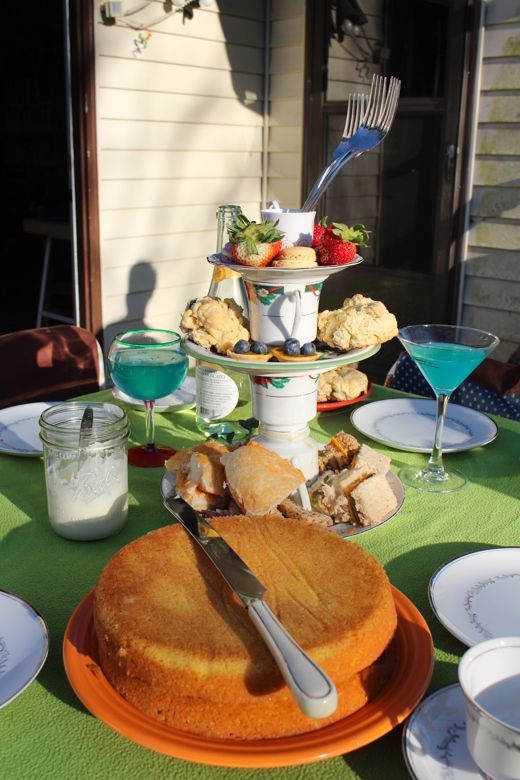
{"points": [[341, 384], [296, 257], [212, 322], [361, 322]]}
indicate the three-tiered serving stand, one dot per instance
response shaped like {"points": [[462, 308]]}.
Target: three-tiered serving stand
{"points": [[284, 394]]}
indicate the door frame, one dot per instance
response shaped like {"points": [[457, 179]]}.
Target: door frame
{"points": [[83, 160], [456, 130]]}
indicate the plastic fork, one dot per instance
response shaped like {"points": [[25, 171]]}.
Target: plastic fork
{"points": [[367, 123]]}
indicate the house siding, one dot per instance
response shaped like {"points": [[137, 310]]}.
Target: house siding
{"points": [[180, 131], [285, 122], [491, 291]]}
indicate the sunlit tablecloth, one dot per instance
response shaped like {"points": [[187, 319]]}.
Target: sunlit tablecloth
{"points": [[47, 733]]}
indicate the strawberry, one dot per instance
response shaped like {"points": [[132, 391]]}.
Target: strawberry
{"points": [[318, 231], [254, 244], [338, 244]]}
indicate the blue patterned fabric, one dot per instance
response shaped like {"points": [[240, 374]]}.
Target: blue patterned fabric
{"points": [[404, 375]]}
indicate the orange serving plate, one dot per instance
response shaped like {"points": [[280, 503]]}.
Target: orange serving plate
{"points": [[330, 406], [394, 703]]}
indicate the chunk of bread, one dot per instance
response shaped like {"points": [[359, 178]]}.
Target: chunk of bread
{"points": [[290, 508], [258, 478], [372, 500], [368, 458], [338, 453]]}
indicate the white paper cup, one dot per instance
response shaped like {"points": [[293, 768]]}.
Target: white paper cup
{"points": [[298, 226], [489, 675]]}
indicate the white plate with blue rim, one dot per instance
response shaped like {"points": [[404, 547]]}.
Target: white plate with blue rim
{"points": [[434, 739], [477, 596], [20, 429], [409, 424], [183, 398], [24, 644]]}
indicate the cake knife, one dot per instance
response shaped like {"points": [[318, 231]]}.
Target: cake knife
{"points": [[314, 691]]}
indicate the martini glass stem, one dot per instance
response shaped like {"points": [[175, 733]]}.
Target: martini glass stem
{"points": [[435, 466], [150, 424]]}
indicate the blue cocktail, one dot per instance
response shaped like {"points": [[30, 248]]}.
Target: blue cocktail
{"points": [[147, 364], [446, 355]]}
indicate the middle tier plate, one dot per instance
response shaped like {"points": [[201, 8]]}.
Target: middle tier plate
{"points": [[328, 360]]}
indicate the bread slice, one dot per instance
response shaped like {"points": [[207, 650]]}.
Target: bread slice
{"points": [[290, 508], [200, 476], [258, 478], [338, 453], [372, 500], [369, 458]]}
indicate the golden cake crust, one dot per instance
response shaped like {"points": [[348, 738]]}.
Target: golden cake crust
{"points": [[177, 643]]}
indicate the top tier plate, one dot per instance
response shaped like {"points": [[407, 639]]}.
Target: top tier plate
{"points": [[276, 275]]}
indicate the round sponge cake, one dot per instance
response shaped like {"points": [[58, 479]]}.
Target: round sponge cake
{"points": [[177, 643]]}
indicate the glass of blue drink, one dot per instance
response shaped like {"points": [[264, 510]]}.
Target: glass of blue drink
{"points": [[446, 355], [147, 364]]}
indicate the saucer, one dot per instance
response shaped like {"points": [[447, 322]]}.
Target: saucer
{"points": [[434, 739], [476, 596], [409, 424], [24, 644], [20, 430]]}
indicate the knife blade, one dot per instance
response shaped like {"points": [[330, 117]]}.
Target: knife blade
{"points": [[314, 691]]}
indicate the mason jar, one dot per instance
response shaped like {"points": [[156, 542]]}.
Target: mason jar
{"points": [[87, 481]]}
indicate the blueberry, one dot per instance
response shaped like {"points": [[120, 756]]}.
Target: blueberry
{"points": [[308, 349], [259, 348], [241, 347], [292, 347]]}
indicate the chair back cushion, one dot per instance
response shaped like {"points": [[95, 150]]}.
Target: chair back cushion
{"points": [[49, 364]]}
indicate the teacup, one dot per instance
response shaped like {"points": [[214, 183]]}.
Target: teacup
{"points": [[489, 675], [298, 226], [281, 311]]}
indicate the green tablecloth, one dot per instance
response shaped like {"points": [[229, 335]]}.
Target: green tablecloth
{"points": [[47, 733]]}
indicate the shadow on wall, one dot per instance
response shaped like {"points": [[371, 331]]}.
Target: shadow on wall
{"points": [[142, 281], [501, 10], [244, 77]]}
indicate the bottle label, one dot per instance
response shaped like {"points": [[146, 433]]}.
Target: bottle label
{"points": [[217, 394]]}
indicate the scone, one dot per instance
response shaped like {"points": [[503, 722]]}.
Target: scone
{"points": [[212, 322], [258, 478], [361, 322], [341, 384], [296, 257]]}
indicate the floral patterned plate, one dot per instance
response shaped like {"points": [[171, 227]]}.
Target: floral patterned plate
{"points": [[434, 739], [476, 597]]}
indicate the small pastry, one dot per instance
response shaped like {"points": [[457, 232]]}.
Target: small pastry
{"points": [[279, 354], [296, 257], [243, 350], [249, 356]]}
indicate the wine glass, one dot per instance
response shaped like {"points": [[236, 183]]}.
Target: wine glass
{"points": [[445, 354], [147, 364]]}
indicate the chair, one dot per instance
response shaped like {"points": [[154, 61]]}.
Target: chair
{"points": [[49, 364], [493, 387]]}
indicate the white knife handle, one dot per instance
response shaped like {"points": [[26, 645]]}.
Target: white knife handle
{"points": [[313, 690]]}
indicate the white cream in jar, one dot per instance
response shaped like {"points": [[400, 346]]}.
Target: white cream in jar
{"points": [[87, 487]]}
